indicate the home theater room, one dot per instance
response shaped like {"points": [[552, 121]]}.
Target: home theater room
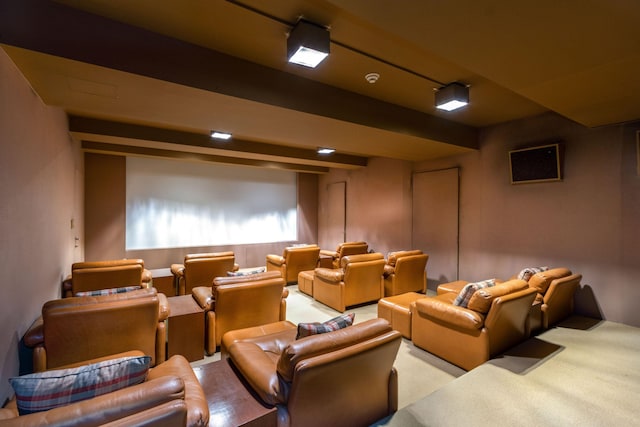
{"points": [[319, 213]]}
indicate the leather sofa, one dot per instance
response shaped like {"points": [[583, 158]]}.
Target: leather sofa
{"points": [[554, 300], [170, 396], [294, 259], [405, 271], [495, 319], [84, 328], [237, 302], [343, 249], [359, 280], [340, 378], [95, 275], [200, 270]]}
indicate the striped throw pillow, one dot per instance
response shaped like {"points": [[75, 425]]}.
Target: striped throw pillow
{"points": [[51, 389], [469, 289], [526, 273], [308, 329], [110, 291]]}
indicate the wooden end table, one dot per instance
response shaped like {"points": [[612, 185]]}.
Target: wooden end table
{"points": [[185, 328]]}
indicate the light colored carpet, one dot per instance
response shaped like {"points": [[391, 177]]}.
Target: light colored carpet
{"points": [[584, 372]]}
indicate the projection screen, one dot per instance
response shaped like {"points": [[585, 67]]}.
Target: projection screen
{"points": [[172, 204]]}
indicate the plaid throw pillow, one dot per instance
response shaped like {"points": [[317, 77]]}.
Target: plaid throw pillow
{"points": [[342, 321], [469, 289], [110, 291], [51, 389], [526, 273]]}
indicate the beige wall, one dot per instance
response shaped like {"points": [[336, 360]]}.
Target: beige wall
{"points": [[589, 222], [105, 219], [41, 192]]}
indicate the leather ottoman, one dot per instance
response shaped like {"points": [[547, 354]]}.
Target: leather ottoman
{"points": [[397, 310]]}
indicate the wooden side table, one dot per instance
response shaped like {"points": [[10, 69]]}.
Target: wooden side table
{"points": [[231, 400], [185, 328], [163, 281]]}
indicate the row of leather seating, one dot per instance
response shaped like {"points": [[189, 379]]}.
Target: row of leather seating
{"points": [[494, 319]]}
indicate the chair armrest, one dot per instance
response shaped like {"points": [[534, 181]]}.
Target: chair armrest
{"points": [[326, 252], [285, 292], [276, 260], [388, 270], [35, 334], [147, 278], [330, 274], [177, 269], [67, 288], [258, 369], [163, 307], [448, 313]]}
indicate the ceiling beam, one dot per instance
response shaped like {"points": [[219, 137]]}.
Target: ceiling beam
{"points": [[55, 29]]}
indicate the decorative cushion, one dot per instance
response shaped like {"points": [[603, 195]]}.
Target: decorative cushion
{"points": [[51, 389], [110, 291], [469, 289], [308, 329], [526, 273], [246, 272]]}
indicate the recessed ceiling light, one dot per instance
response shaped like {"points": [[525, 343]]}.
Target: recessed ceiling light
{"points": [[325, 150], [220, 135]]}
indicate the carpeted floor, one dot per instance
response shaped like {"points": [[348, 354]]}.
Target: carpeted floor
{"points": [[583, 372]]}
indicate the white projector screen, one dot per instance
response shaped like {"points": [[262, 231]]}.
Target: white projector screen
{"points": [[174, 204]]}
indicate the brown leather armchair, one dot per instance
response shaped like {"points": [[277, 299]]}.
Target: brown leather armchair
{"points": [[554, 300], [171, 395], [405, 271], [96, 275], [240, 302], [201, 269], [294, 259], [359, 280], [496, 319], [84, 328], [344, 249], [340, 378]]}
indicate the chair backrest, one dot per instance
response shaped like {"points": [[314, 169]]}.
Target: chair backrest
{"points": [[84, 328], [246, 301], [95, 275], [507, 319], [352, 248], [201, 269], [541, 281], [363, 267], [300, 258], [409, 271], [318, 367], [559, 298]]}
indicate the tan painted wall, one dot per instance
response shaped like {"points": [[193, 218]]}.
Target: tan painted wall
{"points": [[41, 191], [589, 222]]}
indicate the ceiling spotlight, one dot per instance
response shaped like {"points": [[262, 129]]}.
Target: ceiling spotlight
{"points": [[308, 44], [372, 77], [452, 96], [220, 135], [325, 150]]}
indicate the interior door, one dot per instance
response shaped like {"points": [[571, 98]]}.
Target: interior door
{"points": [[435, 222]]}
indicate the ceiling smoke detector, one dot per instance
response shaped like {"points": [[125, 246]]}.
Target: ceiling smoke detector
{"points": [[372, 77]]}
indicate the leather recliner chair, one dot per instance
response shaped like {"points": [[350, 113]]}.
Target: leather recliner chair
{"points": [[405, 271], [340, 378], [496, 319], [344, 249], [240, 302], [294, 259], [170, 395], [358, 281], [554, 301], [96, 275], [84, 328], [201, 269]]}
